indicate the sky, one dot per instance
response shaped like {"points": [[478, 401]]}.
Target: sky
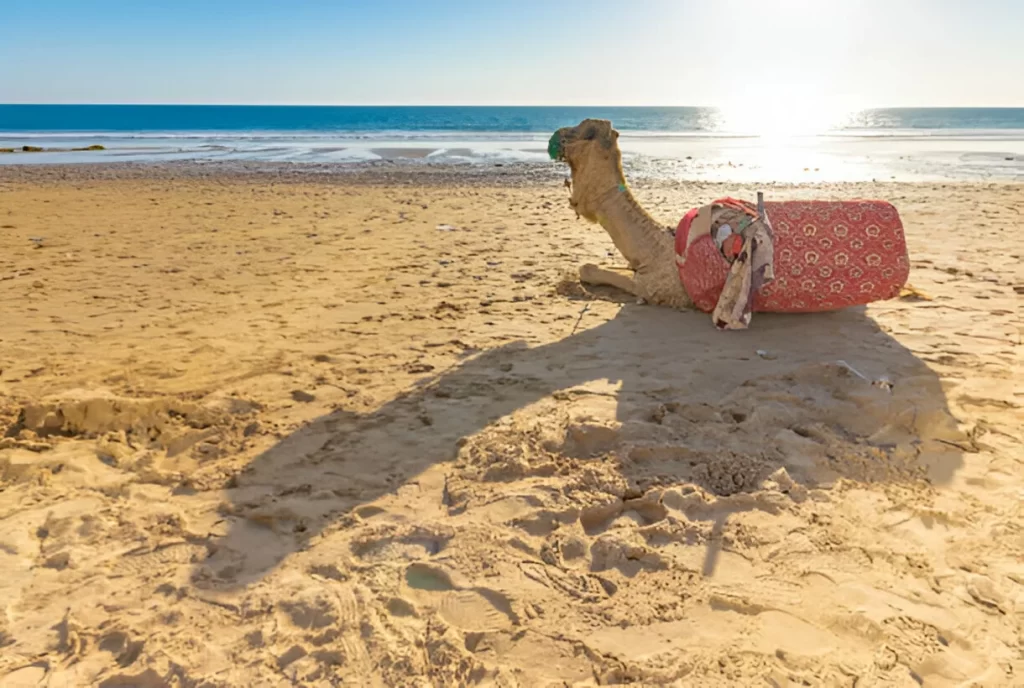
{"points": [[803, 54]]}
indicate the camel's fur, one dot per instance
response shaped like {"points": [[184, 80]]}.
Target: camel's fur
{"points": [[600, 194]]}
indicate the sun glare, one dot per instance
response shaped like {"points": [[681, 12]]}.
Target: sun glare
{"points": [[779, 118]]}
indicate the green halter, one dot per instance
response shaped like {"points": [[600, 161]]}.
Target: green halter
{"points": [[555, 146]]}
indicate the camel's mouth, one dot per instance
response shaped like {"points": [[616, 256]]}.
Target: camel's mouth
{"points": [[566, 142], [561, 141], [556, 150]]}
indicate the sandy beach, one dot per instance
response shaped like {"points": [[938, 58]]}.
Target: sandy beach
{"points": [[261, 427]]}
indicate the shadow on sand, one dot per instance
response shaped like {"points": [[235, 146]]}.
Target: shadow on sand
{"points": [[716, 402]]}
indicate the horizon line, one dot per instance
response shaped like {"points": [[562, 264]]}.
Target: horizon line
{"points": [[499, 105]]}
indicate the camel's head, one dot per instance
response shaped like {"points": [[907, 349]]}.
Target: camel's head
{"points": [[592, 151]]}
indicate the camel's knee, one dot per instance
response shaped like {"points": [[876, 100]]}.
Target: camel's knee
{"points": [[590, 274], [597, 276]]}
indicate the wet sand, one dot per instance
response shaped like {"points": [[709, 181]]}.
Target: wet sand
{"points": [[267, 426], [399, 153]]}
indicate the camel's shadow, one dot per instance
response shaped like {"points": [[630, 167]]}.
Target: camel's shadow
{"points": [[790, 406]]}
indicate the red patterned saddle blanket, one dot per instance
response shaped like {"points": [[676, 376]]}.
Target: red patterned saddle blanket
{"points": [[827, 255]]}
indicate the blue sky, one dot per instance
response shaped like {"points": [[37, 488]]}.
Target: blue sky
{"points": [[858, 53]]}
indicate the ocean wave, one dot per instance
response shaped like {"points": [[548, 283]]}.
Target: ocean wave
{"points": [[683, 156], [210, 138]]}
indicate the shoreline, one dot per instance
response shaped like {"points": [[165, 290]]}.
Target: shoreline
{"points": [[417, 171], [740, 159]]}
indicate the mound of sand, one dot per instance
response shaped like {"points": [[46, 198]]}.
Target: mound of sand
{"points": [[149, 435]]}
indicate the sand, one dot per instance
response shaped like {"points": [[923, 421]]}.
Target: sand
{"points": [[273, 429]]}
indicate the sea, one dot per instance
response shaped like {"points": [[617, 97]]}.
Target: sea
{"points": [[682, 143]]}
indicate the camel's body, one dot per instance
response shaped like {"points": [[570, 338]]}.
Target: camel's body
{"points": [[827, 255], [600, 194]]}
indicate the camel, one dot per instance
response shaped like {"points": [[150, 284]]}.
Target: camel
{"points": [[600, 195], [827, 255]]}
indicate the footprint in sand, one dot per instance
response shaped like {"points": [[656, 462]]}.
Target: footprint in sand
{"points": [[475, 610], [315, 604], [425, 577], [582, 587], [169, 556], [469, 609], [409, 547], [317, 609]]}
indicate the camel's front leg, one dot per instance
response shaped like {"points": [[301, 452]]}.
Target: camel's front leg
{"points": [[592, 274]]}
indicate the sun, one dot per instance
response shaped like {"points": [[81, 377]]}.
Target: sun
{"points": [[788, 80]]}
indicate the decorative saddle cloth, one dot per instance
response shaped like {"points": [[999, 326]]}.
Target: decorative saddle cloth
{"points": [[822, 256]]}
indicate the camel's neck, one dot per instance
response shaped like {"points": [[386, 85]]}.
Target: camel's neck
{"points": [[640, 239]]}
